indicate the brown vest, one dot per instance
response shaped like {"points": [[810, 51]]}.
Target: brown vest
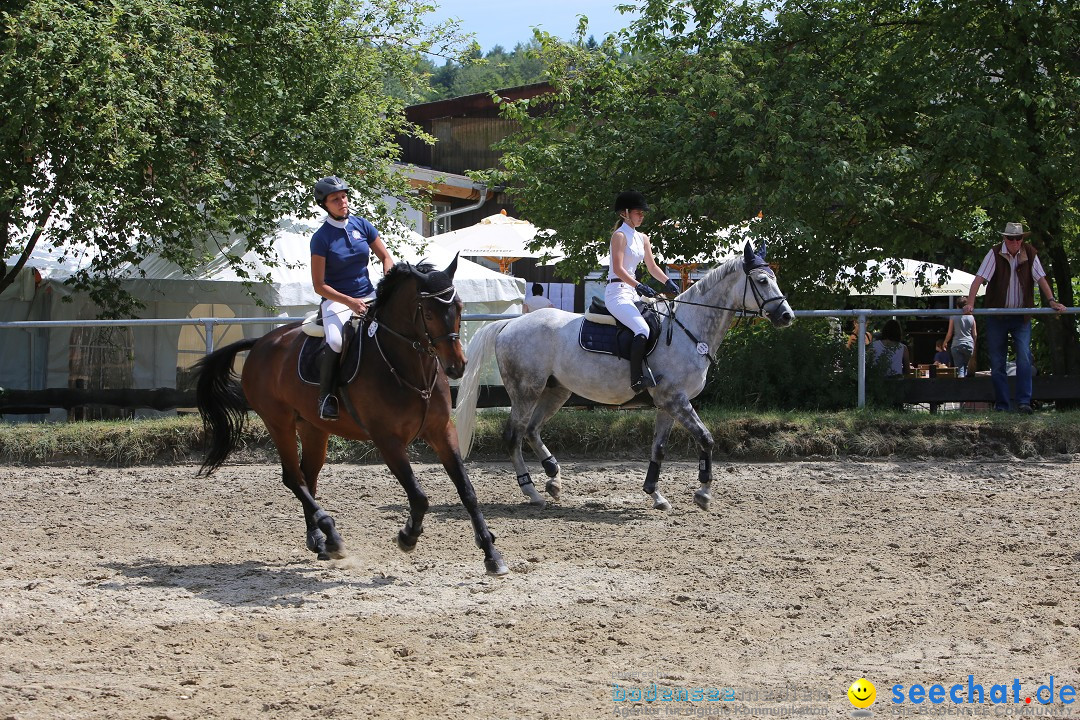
{"points": [[997, 287]]}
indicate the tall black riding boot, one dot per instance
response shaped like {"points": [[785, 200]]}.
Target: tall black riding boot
{"points": [[639, 380], [328, 371]]}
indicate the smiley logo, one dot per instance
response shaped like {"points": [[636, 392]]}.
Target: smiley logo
{"points": [[862, 693]]}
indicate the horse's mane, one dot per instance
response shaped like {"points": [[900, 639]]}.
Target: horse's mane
{"points": [[714, 276], [398, 276]]}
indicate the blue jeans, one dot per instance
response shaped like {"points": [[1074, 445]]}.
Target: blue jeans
{"points": [[998, 330]]}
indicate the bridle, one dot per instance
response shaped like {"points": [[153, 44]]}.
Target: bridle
{"points": [[423, 346], [762, 303]]}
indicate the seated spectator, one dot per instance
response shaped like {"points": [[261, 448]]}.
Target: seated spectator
{"points": [[890, 352], [942, 358]]}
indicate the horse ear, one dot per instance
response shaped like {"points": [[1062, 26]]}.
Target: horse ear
{"points": [[748, 253], [452, 267], [764, 248]]}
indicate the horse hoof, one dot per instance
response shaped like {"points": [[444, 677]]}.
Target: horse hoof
{"points": [[664, 506], [702, 500], [553, 489], [405, 543], [323, 556], [535, 498], [496, 567]]}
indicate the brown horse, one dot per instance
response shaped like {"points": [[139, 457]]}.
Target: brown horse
{"points": [[410, 345]]}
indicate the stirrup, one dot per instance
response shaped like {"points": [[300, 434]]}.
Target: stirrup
{"points": [[328, 409], [646, 380]]}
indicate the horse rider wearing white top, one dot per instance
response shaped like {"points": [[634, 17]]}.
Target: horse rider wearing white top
{"points": [[628, 249]]}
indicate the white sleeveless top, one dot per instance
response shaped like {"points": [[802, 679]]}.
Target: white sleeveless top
{"points": [[634, 252]]}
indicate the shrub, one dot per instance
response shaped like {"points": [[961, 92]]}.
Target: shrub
{"points": [[804, 367]]}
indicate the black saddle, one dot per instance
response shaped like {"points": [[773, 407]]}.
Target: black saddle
{"points": [[307, 364], [615, 338]]}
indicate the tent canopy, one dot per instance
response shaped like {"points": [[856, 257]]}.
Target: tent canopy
{"points": [[290, 280], [499, 238], [957, 282]]}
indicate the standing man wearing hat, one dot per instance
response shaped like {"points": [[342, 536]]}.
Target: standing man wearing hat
{"points": [[628, 249], [1011, 271]]}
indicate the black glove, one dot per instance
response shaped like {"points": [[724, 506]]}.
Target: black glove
{"points": [[671, 287], [645, 291]]}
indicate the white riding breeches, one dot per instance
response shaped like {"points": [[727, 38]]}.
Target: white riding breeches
{"points": [[334, 317], [619, 298]]}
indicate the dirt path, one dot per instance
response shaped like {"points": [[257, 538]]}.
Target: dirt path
{"points": [[150, 593]]}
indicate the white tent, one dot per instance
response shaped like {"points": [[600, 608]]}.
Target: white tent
{"points": [[290, 290], [40, 358], [957, 283]]}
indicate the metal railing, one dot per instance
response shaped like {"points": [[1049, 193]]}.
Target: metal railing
{"points": [[861, 316]]}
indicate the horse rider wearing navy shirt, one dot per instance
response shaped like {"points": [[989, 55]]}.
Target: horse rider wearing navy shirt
{"points": [[340, 250]]}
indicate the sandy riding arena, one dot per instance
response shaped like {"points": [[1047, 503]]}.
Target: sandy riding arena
{"points": [[151, 593]]}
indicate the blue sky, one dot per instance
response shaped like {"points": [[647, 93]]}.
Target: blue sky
{"points": [[508, 22]]}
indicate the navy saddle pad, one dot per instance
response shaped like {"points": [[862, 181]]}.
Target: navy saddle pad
{"points": [[307, 365], [616, 339]]}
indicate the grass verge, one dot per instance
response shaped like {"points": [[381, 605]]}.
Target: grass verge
{"points": [[592, 434]]}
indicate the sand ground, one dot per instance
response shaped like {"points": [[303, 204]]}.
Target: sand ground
{"points": [[152, 593]]}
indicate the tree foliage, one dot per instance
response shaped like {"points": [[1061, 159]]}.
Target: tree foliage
{"points": [[482, 72], [862, 130], [152, 125]]}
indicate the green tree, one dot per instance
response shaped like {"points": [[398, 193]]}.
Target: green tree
{"points": [[482, 72], [861, 129], [153, 125]]}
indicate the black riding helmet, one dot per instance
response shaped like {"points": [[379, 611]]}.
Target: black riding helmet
{"points": [[328, 186], [630, 200]]}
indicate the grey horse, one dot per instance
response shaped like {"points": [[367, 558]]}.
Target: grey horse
{"points": [[542, 364]]}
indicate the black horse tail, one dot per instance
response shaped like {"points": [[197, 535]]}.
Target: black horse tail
{"points": [[221, 403]]}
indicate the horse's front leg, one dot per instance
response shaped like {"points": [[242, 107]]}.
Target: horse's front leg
{"points": [[681, 409], [662, 428], [445, 445], [396, 457]]}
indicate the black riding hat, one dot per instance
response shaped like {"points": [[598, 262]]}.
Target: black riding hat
{"points": [[630, 200], [328, 186]]}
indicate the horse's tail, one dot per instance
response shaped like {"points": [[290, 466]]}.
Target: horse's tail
{"points": [[221, 402], [480, 347]]}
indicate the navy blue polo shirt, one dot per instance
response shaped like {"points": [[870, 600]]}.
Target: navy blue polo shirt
{"points": [[347, 251]]}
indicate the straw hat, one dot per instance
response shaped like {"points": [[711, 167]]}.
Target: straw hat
{"points": [[1014, 229]]}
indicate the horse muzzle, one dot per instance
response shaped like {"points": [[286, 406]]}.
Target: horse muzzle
{"points": [[782, 315]]}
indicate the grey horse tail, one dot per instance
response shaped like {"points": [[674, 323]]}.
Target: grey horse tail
{"points": [[481, 346]]}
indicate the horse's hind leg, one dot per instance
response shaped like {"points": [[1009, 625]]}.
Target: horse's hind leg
{"points": [[549, 404], [521, 414], [322, 536], [312, 458], [446, 448]]}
